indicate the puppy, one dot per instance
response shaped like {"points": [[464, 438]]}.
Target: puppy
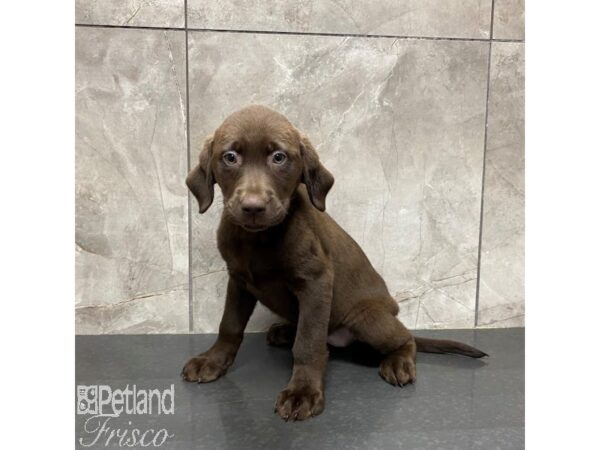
{"points": [[283, 250]]}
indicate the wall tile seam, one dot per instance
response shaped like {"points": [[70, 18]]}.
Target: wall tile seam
{"points": [[188, 154], [299, 33], [485, 138]]}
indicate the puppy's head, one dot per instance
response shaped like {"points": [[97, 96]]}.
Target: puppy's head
{"points": [[258, 159]]}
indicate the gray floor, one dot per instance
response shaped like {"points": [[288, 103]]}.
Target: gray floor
{"points": [[456, 402]]}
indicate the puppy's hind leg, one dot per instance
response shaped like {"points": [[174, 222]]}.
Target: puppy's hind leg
{"points": [[281, 335], [375, 323]]}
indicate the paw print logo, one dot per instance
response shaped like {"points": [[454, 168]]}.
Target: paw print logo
{"points": [[87, 399]]}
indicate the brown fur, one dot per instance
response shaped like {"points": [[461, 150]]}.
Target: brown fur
{"points": [[283, 250]]}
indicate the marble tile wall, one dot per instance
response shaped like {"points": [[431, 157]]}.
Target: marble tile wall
{"points": [[509, 19], [131, 205], [394, 96], [402, 133], [433, 18], [502, 283], [147, 13]]}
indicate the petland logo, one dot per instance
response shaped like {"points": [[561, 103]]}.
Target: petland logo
{"points": [[104, 405]]}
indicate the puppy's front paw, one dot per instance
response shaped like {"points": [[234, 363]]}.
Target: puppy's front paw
{"points": [[300, 403], [204, 368]]}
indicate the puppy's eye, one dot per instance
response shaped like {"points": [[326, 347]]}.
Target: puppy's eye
{"points": [[231, 158], [278, 157]]}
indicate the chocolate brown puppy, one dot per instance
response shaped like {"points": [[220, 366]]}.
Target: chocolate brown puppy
{"points": [[283, 250]]}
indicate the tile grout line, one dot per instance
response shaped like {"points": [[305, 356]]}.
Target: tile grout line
{"points": [[299, 33], [189, 198], [358, 35], [129, 27], [485, 137]]}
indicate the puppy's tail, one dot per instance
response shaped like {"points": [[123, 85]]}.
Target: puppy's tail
{"points": [[427, 345]]}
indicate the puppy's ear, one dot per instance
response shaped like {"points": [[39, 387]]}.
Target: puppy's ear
{"points": [[200, 180], [315, 176]]}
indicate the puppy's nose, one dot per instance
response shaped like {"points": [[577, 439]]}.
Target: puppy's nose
{"points": [[253, 204]]}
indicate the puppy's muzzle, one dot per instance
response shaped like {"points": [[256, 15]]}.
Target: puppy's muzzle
{"points": [[255, 211], [253, 206]]}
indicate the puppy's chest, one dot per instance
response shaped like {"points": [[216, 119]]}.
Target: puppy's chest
{"points": [[255, 264]]}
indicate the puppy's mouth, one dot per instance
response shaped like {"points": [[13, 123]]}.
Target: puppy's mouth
{"points": [[254, 228], [254, 224]]}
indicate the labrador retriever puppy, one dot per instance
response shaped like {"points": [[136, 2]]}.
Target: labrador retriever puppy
{"points": [[282, 249]]}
